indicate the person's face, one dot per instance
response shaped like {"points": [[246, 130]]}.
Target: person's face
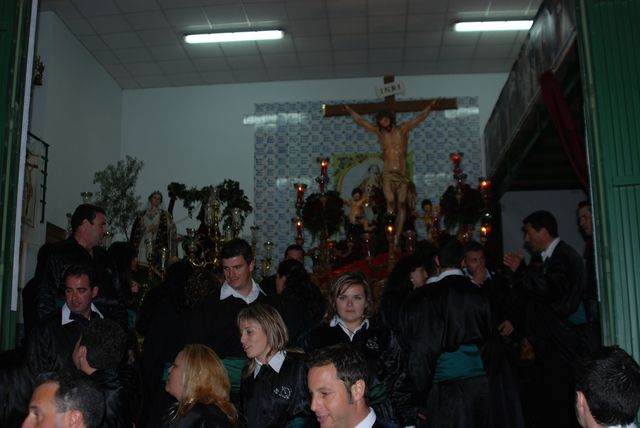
{"points": [[357, 196], [155, 200], [418, 277], [42, 408], [330, 401], [295, 255], [384, 122], [78, 294], [237, 273], [254, 341], [281, 282], [175, 382], [535, 239], [585, 221], [473, 261], [351, 303], [134, 263], [96, 230]]}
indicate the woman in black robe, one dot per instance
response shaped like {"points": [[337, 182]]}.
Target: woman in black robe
{"points": [[199, 381], [274, 389], [349, 319]]}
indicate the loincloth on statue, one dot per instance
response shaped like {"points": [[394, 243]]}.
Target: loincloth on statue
{"points": [[395, 177]]}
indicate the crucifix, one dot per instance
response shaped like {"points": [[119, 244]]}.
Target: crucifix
{"points": [[390, 103], [393, 140]]}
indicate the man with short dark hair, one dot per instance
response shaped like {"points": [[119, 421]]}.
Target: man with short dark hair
{"points": [[88, 224], [98, 353], [65, 400], [337, 381], [607, 389], [53, 338], [268, 283], [555, 314]]}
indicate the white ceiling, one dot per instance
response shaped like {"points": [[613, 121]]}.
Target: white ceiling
{"points": [[139, 42]]}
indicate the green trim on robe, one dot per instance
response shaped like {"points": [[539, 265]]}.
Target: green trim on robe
{"points": [[463, 363], [235, 367]]}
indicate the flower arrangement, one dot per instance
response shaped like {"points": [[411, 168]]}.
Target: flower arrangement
{"points": [[229, 193], [323, 211]]}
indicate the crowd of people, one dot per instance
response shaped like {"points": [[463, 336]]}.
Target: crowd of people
{"points": [[450, 342]]}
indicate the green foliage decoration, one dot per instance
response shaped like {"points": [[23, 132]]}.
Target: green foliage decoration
{"points": [[117, 193]]}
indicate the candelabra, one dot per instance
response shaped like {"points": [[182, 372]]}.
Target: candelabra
{"points": [[486, 219], [268, 258], [391, 235], [323, 179], [300, 189]]}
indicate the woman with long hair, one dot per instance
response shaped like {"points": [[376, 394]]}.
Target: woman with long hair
{"points": [[350, 319], [274, 389], [298, 300], [199, 383]]}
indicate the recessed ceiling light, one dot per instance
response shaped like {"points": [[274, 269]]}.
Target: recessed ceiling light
{"points": [[241, 36], [493, 25]]}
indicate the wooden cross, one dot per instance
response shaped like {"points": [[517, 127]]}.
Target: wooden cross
{"points": [[390, 103]]}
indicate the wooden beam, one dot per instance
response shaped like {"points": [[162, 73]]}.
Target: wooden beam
{"points": [[398, 107]]}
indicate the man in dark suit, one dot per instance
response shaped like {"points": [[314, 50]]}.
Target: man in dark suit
{"points": [[554, 313], [337, 382]]}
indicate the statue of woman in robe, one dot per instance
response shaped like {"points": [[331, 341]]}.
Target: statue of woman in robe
{"points": [[153, 226]]}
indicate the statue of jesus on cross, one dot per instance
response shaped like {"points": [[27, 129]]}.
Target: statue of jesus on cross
{"points": [[393, 139]]}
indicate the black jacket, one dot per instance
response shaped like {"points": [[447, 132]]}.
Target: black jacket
{"points": [[202, 416], [120, 396], [273, 399], [49, 287], [50, 344]]}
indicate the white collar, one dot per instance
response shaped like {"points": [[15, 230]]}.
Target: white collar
{"points": [[631, 425], [549, 251], [227, 291], [66, 313], [448, 272], [368, 421], [487, 275], [275, 362], [337, 321]]}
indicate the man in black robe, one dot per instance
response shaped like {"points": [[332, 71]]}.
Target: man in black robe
{"points": [[554, 313], [456, 359]]}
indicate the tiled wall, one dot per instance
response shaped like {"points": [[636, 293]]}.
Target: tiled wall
{"points": [[290, 136]]}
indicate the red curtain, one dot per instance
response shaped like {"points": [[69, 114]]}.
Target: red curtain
{"points": [[571, 137]]}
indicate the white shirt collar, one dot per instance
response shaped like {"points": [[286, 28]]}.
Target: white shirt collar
{"points": [[448, 272], [368, 421], [337, 321], [632, 425], [275, 362], [549, 251], [66, 313], [487, 275], [227, 291]]}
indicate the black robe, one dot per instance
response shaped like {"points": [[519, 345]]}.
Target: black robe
{"points": [[202, 416], [451, 313], [274, 399], [386, 362]]}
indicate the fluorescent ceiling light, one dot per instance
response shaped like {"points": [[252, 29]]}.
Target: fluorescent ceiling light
{"points": [[242, 36], [493, 25]]}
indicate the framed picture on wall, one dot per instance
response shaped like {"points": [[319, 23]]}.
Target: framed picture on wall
{"points": [[34, 181]]}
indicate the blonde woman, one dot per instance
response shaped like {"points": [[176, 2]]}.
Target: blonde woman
{"points": [[199, 381], [274, 389]]}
